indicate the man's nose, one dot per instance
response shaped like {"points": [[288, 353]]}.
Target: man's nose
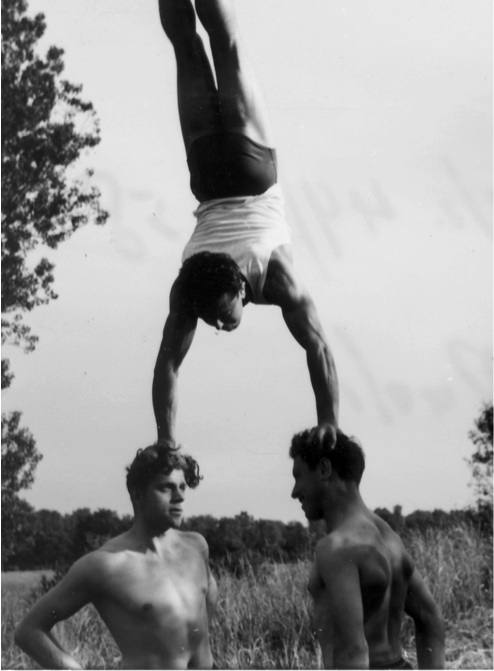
{"points": [[294, 492], [178, 495]]}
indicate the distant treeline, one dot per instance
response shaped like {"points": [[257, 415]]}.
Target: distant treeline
{"points": [[52, 540]]}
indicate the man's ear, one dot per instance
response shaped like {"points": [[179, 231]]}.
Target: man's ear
{"points": [[137, 496], [324, 468]]}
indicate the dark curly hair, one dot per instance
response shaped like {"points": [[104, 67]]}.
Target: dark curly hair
{"points": [[154, 460], [347, 456], [205, 278]]}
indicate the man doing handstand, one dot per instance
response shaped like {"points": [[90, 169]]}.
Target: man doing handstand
{"points": [[240, 251]]}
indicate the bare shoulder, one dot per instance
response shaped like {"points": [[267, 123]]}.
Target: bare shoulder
{"points": [[85, 574], [180, 316], [337, 565], [96, 561], [176, 301], [357, 542], [338, 545], [104, 560]]}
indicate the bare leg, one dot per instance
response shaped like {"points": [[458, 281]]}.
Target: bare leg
{"points": [[241, 101], [198, 103]]}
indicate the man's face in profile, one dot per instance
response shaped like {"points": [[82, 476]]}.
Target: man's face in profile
{"points": [[307, 489]]}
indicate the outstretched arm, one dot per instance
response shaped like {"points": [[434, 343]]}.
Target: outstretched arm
{"points": [[283, 288], [33, 634], [303, 322], [177, 338], [429, 624]]}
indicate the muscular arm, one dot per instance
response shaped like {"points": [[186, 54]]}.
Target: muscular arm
{"points": [[341, 629], [177, 338], [212, 590], [283, 288], [33, 635], [429, 624]]}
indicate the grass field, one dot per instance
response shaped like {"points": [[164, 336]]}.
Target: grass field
{"points": [[21, 581], [263, 620]]}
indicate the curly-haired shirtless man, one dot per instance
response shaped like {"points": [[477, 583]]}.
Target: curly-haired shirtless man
{"points": [[151, 585]]}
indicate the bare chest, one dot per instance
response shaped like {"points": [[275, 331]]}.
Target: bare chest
{"points": [[158, 591]]}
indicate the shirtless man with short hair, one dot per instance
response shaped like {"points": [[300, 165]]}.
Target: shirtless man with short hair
{"points": [[363, 580], [240, 251], [151, 585]]}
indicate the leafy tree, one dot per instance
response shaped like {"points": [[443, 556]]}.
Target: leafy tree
{"points": [[92, 530], [52, 540], [19, 455], [19, 460], [394, 519], [271, 534], [297, 540], [230, 533], [46, 127], [17, 540], [481, 460]]}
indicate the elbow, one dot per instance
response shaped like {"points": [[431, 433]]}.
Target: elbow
{"points": [[434, 615], [318, 352], [317, 345], [165, 367], [431, 622], [352, 656]]}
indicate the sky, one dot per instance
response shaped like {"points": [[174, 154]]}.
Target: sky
{"points": [[382, 114]]}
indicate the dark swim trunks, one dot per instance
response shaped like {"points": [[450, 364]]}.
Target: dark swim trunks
{"points": [[225, 165], [396, 664]]}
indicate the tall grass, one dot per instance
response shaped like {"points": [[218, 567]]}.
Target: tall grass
{"points": [[263, 618], [456, 565]]}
